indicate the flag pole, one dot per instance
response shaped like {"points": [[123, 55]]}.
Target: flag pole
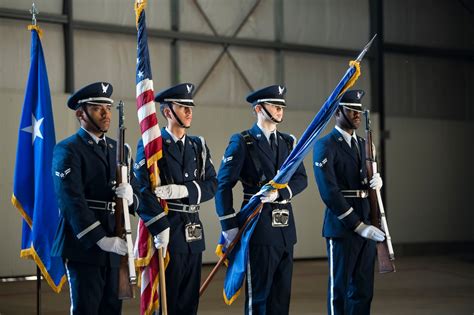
{"points": [[34, 11], [161, 260], [235, 275], [38, 291], [161, 265], [222, 259]]}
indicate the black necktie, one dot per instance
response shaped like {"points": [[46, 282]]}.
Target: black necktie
{"points": [[355, 148], [103, 146], [273, 144], [180, 145]]}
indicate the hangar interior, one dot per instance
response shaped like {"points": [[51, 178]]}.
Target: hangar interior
{"points": [[418, 78]]}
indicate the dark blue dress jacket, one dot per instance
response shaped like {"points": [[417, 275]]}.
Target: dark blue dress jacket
{"points": [[237, 165], [336, 168], [181, 171], [81, 172]]}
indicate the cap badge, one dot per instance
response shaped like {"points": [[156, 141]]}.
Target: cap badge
{"points": [[281, 90], [104, 88], [359, 95], [189, 87]]}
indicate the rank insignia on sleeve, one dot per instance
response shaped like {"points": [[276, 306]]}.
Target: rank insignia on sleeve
{"points": [[227, 159], [321, 164], [63, 175], [139, 164]]}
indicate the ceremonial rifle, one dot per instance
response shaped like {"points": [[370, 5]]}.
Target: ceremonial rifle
{"points": [[385, 254], [127, 274]]}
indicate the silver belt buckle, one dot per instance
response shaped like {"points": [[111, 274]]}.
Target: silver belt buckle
{"points": [[110, 206], [363, 194], [193, 232], [280, 217], [193, 208]]}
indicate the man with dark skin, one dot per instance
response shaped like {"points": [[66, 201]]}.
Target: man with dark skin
{"points": [[341, 175], [84, 170]]}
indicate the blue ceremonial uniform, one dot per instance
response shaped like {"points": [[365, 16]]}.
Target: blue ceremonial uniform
{"points": [[271, 251], [84, 174], [184, 269], [337, 169], [84, 177]]}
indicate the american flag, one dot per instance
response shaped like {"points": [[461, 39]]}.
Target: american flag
{"points": [[145, 252]]}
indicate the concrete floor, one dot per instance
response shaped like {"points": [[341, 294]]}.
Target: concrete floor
{"points": [[432, 285]]}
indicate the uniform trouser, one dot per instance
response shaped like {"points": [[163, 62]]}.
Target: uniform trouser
{"points": [[351, 275], [93, 289], [183, 279], [268, 280]]}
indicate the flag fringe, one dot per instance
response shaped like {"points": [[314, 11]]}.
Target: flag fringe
{"points": [[154, 158], [145, 261], [220, 252], [16, 203], [152, 307], [233, 298], [30, 253]]}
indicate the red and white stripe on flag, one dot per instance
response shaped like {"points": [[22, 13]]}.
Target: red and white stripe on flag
{"points": [[145, 253]]}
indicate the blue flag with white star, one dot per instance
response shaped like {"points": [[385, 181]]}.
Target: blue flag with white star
{"points": [[33, 193]]}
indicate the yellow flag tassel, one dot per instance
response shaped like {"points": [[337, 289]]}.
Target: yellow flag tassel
{"points": [[37, 29], [139, 7], [354, 78]]}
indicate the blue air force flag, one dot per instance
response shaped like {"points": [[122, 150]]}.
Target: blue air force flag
{"points": [[238, 257], [33, 193]]}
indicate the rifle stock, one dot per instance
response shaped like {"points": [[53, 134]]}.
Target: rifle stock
{"points": [[127, 274], [385, 255]]}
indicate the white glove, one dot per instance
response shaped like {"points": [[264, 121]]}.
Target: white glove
{"points": [[369, 231], [376, 182], [125, 191], [269, 196], [230, 235], [172, 191], [162, 239], [113, 245]]}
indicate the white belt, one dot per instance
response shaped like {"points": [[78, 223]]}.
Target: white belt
{"points": [[355, 193], [179, 207], [101, 205]]}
